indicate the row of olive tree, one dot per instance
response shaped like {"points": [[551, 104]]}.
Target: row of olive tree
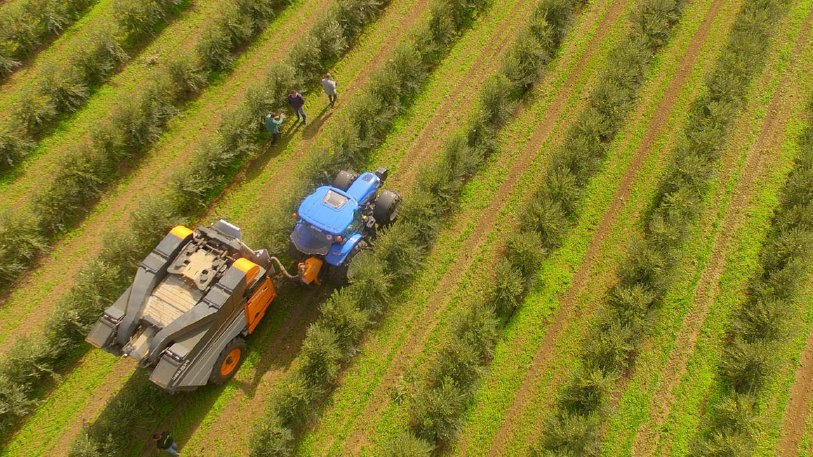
{"points": [[436, 407], [760, 327], [32, 360], [398, 252], [134, 125], [573, 427], [65, 87], [26, 25]]}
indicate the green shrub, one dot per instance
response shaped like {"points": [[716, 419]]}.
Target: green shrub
{"points": [[321, 356], [434, 414], [570, 434], [396, 250], [610, 346], [748, 365], [271, 438], [586, 392], [96, 55], [508, 288], [66, 89], [407, 445], [737, 426], [345, 318], [34, 110], [184, 78], [20, 243], [370, 283], [215, 47], [140, 18], [328, 36], [13, 146]]}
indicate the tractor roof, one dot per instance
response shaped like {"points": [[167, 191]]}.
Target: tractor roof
{"points": [[329, 209]]}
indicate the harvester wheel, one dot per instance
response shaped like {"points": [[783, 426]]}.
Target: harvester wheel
{"points": [[386, 205], [345, 179], [229, 361], [339, 275]]}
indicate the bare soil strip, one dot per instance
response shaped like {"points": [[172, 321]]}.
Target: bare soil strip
{"points": [[580, 279], [760, 158], [439, 299]]}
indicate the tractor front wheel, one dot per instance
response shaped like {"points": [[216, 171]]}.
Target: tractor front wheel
{"points": [[344, 179], [229, 361], [386, 206], [340, 275]]}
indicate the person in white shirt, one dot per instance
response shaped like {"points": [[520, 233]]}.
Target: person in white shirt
{"points": [[330, 88]]}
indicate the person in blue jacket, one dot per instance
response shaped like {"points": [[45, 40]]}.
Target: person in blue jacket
{"points": [[296, 101]]}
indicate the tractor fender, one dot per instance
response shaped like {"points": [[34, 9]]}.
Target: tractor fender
{"points": [[338, 252]]}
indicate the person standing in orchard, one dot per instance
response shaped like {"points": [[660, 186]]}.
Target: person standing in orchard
{"points": [[272, 123], [297, 102], [330, 88]]}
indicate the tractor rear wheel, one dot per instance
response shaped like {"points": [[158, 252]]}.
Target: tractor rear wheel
{"points": [[386, 205], [339, 275], [229, 361], [344, 179]]}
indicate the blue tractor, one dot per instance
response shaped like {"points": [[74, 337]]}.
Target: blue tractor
{"points": [[336, 222]]}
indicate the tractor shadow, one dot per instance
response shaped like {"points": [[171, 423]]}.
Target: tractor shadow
{"points": [[272, 348]]}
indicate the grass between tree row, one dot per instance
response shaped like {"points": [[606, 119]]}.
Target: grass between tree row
{"points": [[643, 401], [30, 360], [758, 329], [583, 403], [436, 408]]}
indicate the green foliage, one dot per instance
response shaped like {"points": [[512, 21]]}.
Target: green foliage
{"points": [[586, 392], [96, 55], [407, 445], [434, 414], [272, 438], [140, 18], [571, 435], [26, 25], [20, 243], [321, 356], [508, 289]]}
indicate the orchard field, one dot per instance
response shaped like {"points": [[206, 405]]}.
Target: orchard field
{"points": [[603, 249]]}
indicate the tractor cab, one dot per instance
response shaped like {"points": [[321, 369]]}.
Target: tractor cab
{"points": [[335, 222]]}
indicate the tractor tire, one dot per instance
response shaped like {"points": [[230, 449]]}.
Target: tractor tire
{"points": [[340, 275], [386, 208], [229, 361], [344, 179]]}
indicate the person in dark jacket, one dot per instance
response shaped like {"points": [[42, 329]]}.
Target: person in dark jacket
{"points": [[272, 123], [165, 443], [296, 101]]}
